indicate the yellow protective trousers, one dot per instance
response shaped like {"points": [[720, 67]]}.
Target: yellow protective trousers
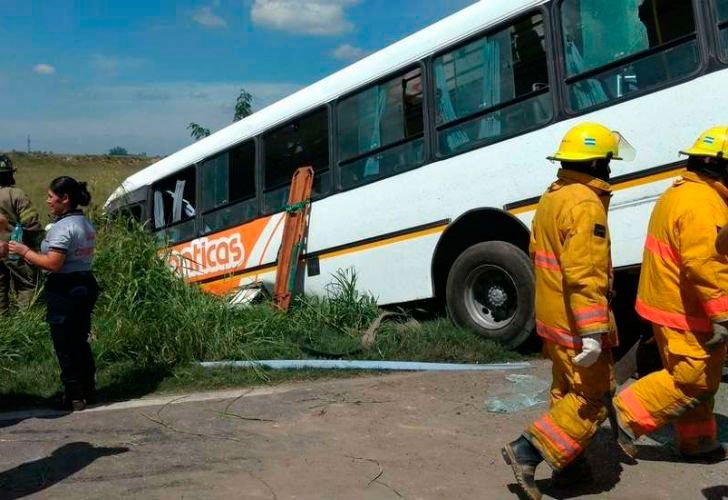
{"points": [[578, 398], [682, 392]]}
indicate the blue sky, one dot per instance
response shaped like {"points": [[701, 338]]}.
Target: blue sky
{"points": [[82, 76]]}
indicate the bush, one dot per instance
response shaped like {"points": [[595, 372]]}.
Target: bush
{"points": [[118, 151], [147, 314]]}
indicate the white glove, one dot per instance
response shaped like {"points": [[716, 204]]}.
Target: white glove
{"points": [[591, 349]]}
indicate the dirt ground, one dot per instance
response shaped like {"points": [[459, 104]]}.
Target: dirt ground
{"points": [[414, 436]]}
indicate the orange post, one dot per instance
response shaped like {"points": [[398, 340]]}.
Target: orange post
{"points": [[294, 235]]}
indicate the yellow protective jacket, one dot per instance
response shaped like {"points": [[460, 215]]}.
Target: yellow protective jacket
{"points": [[684, 281], [571, 252]]}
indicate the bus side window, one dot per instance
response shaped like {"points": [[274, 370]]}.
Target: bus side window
{"points": [[132, 212], [722, 8], [304, 142], [598, 33], [381, 130], [173, 202], [228, 188], [494, 87]]}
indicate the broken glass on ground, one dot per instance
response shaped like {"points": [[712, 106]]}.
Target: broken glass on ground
{"points": [[524, 392]]}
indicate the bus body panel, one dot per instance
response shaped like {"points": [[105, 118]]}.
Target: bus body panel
{"points": [[388, 231], [492, 176]]}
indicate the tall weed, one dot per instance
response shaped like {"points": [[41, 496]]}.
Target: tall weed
{"points": [[148, 325]]}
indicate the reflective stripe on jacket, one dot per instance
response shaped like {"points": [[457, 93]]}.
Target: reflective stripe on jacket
{"points": [[570, 249], [684, 282]]}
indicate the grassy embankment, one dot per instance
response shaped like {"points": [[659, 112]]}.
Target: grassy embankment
{"points": [[149, 326], [103, 173]]}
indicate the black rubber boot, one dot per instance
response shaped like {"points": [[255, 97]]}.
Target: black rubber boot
{"points": [[68, 405], [626, 442], [578, 472], [719, 454], [523, 458], [89, 391], [74, 398]]}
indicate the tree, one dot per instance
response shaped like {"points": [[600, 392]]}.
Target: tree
{"points": [[243, 105], [243, 108], [197, 131], [118, 151]]}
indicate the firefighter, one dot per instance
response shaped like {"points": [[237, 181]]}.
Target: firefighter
{"points": [[570, 249], [16, 208], [683, 292]]}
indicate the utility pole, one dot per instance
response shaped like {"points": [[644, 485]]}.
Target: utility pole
{"points": [[28, 143]]}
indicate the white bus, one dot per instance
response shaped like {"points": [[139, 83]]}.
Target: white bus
{"points": [[429, 155]]}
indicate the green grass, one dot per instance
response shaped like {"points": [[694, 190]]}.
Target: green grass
{"points": [[103, 173], [149, 328]]}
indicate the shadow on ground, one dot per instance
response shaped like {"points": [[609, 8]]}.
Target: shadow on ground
{"points": [[129, 383], [605, 459], [715, 492], [666, 437], [38, 475]]}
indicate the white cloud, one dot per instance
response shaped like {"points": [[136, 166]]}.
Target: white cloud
{"points": [[205, 16], [44, 69], [113, 65], [348, 52], [310, 17]]}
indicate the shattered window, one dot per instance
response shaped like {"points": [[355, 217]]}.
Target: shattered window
{"points": [[493, 87], [173, 204], [228, 188], [381, 130], [303, 142], [655, 38]]}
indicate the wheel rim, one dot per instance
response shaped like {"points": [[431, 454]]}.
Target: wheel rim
{"points": [[491, 296]]}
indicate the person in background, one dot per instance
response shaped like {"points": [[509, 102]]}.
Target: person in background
{"points": [[16, 208], [683, 292], [571, 252], [71, 289]]}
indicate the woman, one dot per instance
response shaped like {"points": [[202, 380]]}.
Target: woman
{"points": [[71, 289]]}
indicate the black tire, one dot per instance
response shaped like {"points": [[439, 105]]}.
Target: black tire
{"points": [[491, 290]]}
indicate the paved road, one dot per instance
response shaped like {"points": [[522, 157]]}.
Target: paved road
{"points": [[414, 436]]}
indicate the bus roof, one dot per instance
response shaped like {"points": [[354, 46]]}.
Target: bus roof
{"points": [[413, 48]]}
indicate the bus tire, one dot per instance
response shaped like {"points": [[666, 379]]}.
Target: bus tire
{"points": [[490, 290]]}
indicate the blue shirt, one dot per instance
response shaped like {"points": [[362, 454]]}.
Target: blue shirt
{"points": [[74, 236]]}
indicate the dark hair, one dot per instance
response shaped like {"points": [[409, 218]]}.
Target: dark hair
{"points": [[76, 191], [596, 168], [715, 167], [7, 179]]}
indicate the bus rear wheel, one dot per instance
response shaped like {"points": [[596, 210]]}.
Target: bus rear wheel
{"points": [[490, 290]]}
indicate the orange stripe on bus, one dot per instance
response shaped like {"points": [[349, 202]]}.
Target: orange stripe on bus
{"points": [[228, 282]]}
